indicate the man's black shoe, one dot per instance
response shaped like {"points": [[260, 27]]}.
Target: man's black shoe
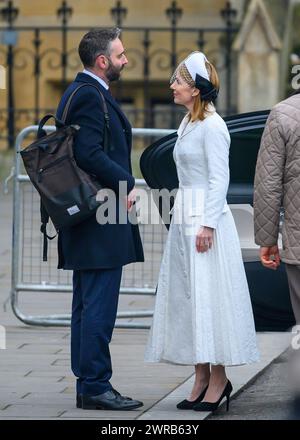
{"points": [[79, 398], [111, 400]]}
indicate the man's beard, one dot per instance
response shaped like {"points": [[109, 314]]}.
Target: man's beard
{"points": [[113, 73]]}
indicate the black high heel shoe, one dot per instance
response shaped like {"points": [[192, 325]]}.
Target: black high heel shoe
{"points": [[189, 404], [212, 406]]}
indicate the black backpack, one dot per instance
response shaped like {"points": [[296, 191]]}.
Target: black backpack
{"points": [[68, 194]]}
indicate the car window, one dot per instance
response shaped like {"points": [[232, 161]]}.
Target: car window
{"points": [[243, 154]]}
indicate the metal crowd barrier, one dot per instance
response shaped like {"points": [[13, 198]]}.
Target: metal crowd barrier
{"points": [[31, 274]]}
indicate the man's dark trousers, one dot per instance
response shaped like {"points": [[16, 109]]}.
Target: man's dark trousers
{"points": [[94, 309]]}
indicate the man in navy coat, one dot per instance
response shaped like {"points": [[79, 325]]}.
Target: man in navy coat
{"points": [[97, 252]]}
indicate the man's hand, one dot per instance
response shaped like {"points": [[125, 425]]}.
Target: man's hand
{"points": [[204, 239], [269, 257], [131, 199]]}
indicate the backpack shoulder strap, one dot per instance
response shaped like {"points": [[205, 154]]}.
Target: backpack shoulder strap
{"points": [[107, 137]]}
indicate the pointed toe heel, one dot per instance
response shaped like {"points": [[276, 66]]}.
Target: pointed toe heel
{"points": [[212, 406], [189, 404]]}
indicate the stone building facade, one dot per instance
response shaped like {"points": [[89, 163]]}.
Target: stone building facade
{"points": [[257, 40]]}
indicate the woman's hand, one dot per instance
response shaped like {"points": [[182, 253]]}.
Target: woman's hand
{"points": [[204, 239], [130, 200]]}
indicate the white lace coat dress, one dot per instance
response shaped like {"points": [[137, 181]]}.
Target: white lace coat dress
{"points": [[203, 311]]}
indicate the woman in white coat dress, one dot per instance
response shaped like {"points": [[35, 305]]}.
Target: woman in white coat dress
{"points": [[203, 315]]}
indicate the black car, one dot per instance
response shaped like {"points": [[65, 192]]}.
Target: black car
{"points": [[268, 289]]}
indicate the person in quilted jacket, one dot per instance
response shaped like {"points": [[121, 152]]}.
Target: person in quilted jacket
{"points": [[276, 186]]}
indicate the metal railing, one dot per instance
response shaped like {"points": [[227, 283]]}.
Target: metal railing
{"points": [[47, 53], [31, 274]]}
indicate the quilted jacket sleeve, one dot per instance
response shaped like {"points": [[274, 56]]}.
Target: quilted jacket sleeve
{"points": [[268, 184]]}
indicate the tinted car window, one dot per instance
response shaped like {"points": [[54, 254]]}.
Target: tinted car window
{"points": [[243, 154]]}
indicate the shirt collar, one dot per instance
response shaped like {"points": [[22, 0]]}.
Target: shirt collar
{"points": [[100, 80]]}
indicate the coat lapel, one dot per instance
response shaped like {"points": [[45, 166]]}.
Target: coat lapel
{"points": [[125, 123], [82, 77], [186, 127]]}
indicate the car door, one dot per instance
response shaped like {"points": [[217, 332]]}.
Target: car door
{"points": [[268, 289]]}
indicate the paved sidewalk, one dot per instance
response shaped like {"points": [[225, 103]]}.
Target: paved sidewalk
{"points": [[35, 377], [36, 381]]}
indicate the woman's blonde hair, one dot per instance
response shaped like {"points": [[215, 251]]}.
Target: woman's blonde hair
{"points": [[200, 108]]}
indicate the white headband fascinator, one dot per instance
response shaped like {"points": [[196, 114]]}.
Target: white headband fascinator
{"points": [[195, 64]]}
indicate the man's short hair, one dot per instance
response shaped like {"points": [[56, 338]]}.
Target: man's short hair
{"points": [[96, 42]]}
